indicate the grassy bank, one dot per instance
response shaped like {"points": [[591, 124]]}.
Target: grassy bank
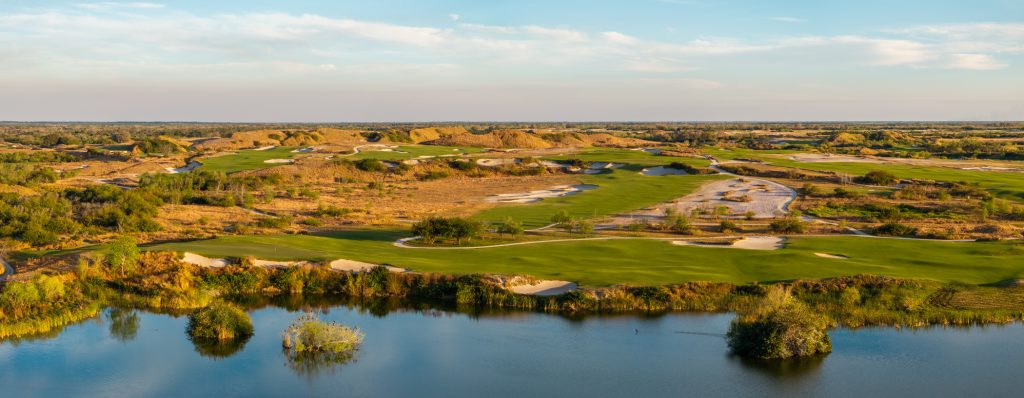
{"points": [[596, 263]]}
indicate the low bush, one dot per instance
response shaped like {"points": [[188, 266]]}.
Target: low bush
{"points": [[219, 321]]}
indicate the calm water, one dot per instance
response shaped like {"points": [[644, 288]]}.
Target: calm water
{"points": [[410, 353]]}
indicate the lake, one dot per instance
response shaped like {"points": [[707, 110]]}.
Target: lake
{"points": [[432, 352]]}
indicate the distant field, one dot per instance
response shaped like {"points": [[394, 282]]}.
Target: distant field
{"points": [[412, 151], [622, 190], [246, 160], [648, 262], [635, 157], [1003, 184]]}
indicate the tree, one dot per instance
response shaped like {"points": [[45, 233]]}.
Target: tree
{"points": [[779, 326], [809, 190], [584, 227], [511, 227], [123, 255]]}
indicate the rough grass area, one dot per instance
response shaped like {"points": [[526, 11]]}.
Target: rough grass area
{"points": [[246, 160], [595, 263], [624, 189], [412, 151]]}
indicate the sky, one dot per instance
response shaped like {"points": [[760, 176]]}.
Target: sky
{"points": [[505, 60]]}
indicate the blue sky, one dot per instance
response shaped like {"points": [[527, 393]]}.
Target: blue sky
{"points": [[691, 60]]}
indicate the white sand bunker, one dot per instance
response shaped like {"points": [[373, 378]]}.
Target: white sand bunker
{"points": [[534, 196], [265, 148], [545, 288], [497, 162], [835, 256], [358, 266], [189, 167], [764, 199], [747, 243], [827, 157], [279, 161], [651, 151], [599, 167], [204, 261], [994, 168], [662, 171]]}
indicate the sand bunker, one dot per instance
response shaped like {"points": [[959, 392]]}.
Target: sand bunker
{"points": [[189, 167], [747, 243], [599, 167], [358, 266], [662, 171], [763, 198], [265, 148], [203, 261], [994, 168], [303, 150], [497, 162], [279, 161], [835, 256], [544, 288], [651, 151], [534, 196], [825, 157]]}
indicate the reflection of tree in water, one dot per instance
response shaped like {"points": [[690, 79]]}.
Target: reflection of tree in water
{"points": [[310, 364], [784, 368], [217, 349], [124, 323]]}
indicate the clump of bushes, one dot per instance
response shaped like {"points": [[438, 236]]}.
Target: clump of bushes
{"points": [[895, 229], [789, 225], [779, 326], [434, 229], [878, 177], [308, 334], [219, 321]]}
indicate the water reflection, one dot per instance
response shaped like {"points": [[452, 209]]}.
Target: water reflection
{"points": [[219, 349], [788, 368], [124, 323]]}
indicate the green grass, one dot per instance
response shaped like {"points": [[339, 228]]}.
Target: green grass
{"points": [[413, 151], [621, 190], [246, 160], [647, 262], [1002, 184]]}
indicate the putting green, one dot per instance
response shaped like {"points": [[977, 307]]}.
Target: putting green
{"points": [[247, 160], [647, 262]]}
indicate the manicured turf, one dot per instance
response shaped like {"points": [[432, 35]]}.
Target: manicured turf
{"points": [[247, 160], [412, 151], [621, 190], [648, 262], [1003, 184]]}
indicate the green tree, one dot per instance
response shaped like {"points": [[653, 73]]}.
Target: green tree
{"points": [[123, 255]]}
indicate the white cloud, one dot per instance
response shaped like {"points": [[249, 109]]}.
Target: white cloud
{"points": [[974, 62], [111, 5], [454, 17], [619, 38], [788, 19]]}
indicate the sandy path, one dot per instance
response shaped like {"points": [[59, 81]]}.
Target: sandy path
{"points": [[827, 157]]}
